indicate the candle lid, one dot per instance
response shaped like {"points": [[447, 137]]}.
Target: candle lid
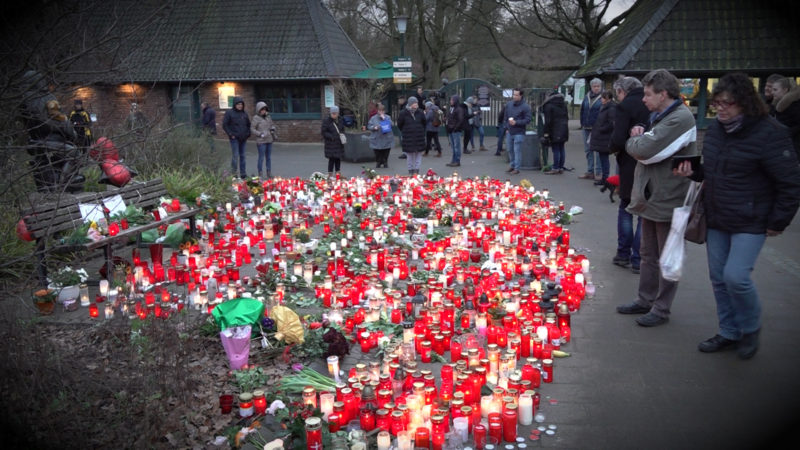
{"points": [[258, 393], [245, 397]]}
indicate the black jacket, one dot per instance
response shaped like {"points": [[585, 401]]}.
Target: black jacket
{"points": [[333, 143], [630, 111], [556, 119], [236, 123], [752, 180], [787, 111], [210, 120], [412, 126], [602, 128], [456, 120]]}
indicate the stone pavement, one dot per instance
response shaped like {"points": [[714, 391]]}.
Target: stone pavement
{"points": [[631, 387]]}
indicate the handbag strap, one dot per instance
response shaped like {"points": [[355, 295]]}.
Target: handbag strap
{"points": [[337, 128], [692, 193]]}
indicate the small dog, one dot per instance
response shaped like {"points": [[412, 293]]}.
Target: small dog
{"points": [[611, 184]]}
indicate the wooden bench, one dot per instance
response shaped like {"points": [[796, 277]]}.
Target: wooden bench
{"points": [[51, 216]]}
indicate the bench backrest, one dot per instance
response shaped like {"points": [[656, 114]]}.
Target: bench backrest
{"points": [[62, 214]]}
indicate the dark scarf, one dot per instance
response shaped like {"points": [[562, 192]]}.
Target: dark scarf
{"points": [[733, 124]]}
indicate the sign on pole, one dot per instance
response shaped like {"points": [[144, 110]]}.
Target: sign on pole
{"points": [[402, 69]]}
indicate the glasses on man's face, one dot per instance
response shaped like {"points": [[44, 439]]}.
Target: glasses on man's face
{"points": [[722, 104]]}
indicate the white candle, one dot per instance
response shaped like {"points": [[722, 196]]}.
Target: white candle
{"points": [[506, 238], [326, 404], [525, 409], [104, 288], [486, 404], [333, 367], [403, 440], [585, 266], [460, 426], [384, 440]]}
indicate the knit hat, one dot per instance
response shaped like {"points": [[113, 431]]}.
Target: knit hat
{"points": [[470, 100], [428, 104], [334, 109], [412, 100]]}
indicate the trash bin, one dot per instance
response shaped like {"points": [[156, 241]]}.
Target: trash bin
{"points": [[530, 152]]}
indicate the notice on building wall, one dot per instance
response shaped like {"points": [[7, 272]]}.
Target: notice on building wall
{"points": [[226, 94], [579, 91], [330, 100]]}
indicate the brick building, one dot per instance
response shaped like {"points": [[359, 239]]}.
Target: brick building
{"points": [[177, 54]]}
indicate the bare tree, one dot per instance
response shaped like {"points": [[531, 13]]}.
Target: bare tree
{"points": [[579, 23]]}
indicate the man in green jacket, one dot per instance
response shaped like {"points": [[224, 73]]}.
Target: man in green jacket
{"points": [[656, 191]]}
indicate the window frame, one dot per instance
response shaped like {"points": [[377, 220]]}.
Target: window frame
{"points": [[287, 88]]}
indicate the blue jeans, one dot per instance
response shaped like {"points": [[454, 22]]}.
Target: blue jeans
{"points": [[238, 148], [501, 135], [558, 155], [515, 150], [731, 257], [264, 153], [628, 242], [591, 167], [480, 135], [455, 146], [605, 164]]}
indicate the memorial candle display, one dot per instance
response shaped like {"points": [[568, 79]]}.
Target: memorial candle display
{"points": [[400, 255]]}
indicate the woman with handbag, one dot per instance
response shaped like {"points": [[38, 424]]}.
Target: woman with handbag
{"points": [[381, 137], [751, 184], [334, 139]]}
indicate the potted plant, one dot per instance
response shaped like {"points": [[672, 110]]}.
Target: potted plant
{"points": [[66, 282], [45, 301]]}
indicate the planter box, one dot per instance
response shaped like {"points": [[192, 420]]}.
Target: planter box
{"points": [[357, 148]]}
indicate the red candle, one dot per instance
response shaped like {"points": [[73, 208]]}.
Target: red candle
{"points": [[422, 438], [113, 229], [124, 223], [455, 350], [479, 433], [313, 433], [397, 315], [425, 351], [94, 311], [510, 424]]}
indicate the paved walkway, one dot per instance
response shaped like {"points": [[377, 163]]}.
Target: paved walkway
{"points": [[631, 387]]}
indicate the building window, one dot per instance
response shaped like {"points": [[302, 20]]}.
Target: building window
{"points": [[302, 101]]}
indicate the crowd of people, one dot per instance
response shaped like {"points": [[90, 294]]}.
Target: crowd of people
{"points": [[749, 170]]}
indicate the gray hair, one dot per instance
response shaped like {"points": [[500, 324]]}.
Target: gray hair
{"points": [[596, 82], [627, 84]]}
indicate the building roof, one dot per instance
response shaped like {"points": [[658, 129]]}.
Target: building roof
{"points": [[708, 37], [231, 40]]}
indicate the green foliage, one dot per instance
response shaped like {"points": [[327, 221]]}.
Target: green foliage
{"points": [[250, 379], [92, 175], [179, 147], [313, 347], [188, 184], [419, 212]]}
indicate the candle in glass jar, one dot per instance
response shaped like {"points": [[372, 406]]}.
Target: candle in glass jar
{"points": [[384, 440], [333, 367], [525, 409], [313, 433]]}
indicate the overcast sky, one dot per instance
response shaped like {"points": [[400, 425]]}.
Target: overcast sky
{"points": [[618, 6]]}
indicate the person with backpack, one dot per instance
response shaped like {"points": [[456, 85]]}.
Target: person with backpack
{"points": [[433, 120]]}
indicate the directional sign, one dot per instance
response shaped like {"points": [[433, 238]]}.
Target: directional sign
{"points": [[402, 64], [402, 77]]}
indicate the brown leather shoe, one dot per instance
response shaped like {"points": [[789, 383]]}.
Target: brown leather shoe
{"points": [[587, 176]]}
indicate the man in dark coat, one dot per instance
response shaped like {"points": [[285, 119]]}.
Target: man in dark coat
{"points": [[236, 124], [82, 123], [411, 122], [332, 132], [209, 122], [455, 124], [516, 115], [556, 129], [631, 111]]}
